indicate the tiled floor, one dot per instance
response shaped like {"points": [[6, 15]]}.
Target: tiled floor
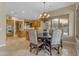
{"points": [[20, 47]]}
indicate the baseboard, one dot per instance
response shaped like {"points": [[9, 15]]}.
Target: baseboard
{"points": [[2, 45], [68, 42], [77, 51]]}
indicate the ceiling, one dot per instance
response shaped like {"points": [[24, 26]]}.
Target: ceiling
{"points": [[32, 10]]}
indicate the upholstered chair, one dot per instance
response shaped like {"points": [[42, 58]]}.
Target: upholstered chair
{"points": [[34, 41], [56, 39]]}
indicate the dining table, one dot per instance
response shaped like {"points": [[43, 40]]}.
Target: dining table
{"points": [[46, 42]]}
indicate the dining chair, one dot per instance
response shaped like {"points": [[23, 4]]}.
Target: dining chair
{"points": [[40, 31], [56, 40], [33, 41], [62, 39]]}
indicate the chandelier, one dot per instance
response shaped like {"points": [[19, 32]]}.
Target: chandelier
{"points": [[44, 16]]}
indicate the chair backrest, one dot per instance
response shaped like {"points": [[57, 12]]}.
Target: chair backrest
{"points": [[56, 37], [40, 32], [33, 36]]}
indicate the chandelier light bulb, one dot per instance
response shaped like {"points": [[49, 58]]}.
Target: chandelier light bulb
{"points": [[40, 15], [48, 15], [45, 14]]}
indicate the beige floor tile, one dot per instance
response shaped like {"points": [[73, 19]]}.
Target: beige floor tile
{"points": [[20, 47]]}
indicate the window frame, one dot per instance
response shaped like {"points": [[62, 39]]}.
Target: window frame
{"points": [[59, 17]]}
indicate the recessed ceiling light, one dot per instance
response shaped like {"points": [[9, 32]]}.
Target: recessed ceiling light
{"points": [[23, 11], [12, 12], [16, 15]]}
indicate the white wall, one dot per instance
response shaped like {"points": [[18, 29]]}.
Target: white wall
{"points": [[2, 26], [77, 20], [77, 27]]}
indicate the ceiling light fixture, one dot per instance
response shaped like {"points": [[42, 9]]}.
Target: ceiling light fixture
{"points": [[44, 16], [12, 12], [23, 12]]}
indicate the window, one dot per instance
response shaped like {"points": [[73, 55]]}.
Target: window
{"points": [[61, 22], [55, 23]]}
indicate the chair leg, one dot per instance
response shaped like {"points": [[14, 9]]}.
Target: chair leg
{"points": [[61, 43], [50, 50], [30, 48], [37, 50], [58, 49]]}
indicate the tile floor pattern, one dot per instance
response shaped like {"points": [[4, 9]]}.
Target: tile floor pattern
{"points": [[20, 47]]}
